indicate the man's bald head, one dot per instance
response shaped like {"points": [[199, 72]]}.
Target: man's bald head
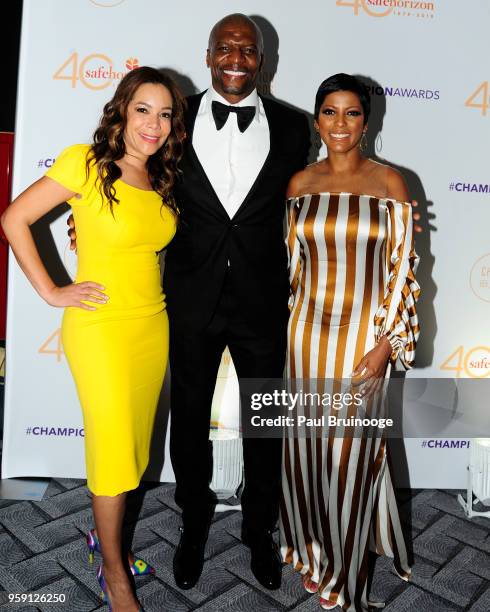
{"points": [[236, 19], [235, 56]]}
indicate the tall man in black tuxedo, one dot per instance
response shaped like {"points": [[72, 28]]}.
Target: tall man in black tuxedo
{"points": [[226, 284]]}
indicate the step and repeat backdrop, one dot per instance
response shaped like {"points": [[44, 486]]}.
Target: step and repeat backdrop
{"points": [[426, 64]]}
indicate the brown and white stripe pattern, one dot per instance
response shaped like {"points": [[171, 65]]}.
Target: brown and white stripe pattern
{"points": [[352, 268]]}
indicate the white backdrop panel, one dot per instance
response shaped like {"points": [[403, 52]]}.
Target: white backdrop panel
{"points": [[74, 53]]}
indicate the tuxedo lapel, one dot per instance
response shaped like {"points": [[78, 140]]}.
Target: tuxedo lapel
{"points": [[190, 163], [193, 103], [192, 167], [274, 142]]}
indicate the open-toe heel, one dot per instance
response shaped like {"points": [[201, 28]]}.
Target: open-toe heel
{"points": [[326, 604], [309, 585]]}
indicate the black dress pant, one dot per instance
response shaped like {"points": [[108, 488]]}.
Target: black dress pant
{"points": [[258, 351]]}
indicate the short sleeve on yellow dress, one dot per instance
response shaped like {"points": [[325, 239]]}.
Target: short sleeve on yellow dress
{"points": [[69, 170], [117, 353]]}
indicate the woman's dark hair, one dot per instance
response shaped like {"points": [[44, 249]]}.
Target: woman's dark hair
{"points": [[109, 144], [344, 82]]}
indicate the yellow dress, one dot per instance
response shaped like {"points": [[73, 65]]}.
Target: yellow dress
{"points": [[117, 353]]}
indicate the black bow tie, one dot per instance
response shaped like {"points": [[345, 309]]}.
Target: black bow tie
{"points": [[244, 115]]}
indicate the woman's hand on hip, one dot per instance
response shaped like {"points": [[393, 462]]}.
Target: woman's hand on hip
{"points": [[75, 294]]}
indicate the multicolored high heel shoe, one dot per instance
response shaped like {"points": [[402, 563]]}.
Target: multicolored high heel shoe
{"points": [[104, 595], [138, 567], [103, 585]]}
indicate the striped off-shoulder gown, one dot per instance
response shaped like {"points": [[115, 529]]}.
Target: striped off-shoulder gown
{"points": [[352, 268]]}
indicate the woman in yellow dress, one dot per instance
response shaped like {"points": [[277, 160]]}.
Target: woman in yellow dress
{"points": [[115, 326]]}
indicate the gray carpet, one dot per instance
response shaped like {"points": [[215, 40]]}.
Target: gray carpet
{"points": [[42, 549]]}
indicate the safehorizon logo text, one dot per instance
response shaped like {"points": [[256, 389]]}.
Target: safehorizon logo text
{"points": [[388, 8], [410, 5]]}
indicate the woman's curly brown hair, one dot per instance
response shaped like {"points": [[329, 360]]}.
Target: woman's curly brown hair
{"points": [[109, 144]]}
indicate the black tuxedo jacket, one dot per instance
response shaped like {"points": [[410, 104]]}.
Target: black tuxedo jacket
{"points": [[252, 241]]}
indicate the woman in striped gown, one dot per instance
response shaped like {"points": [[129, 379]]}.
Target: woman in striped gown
{"points": [[353, 298]]}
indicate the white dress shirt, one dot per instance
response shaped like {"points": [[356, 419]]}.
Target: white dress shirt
{"points": [[231, 159]]}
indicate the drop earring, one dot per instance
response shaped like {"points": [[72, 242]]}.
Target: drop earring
{"points": [[363, 143], [318, 140]]}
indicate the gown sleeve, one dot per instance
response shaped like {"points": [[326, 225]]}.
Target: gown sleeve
{"points": [[293, 246], [396, 318]]}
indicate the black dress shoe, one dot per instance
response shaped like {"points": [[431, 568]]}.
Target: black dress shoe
{"points": [[265, 564], [189, 559]]}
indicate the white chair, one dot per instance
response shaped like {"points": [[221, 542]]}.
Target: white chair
{"points": [[227, 466], [225, 435], [478, 478]]}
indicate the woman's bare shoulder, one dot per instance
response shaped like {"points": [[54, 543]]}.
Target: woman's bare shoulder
{"points": [[302, 182], [396, 187], [393, 181]]}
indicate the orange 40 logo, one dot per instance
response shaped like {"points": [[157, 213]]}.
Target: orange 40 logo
{"points": [[95, 71], [53, 345], [364, 5], [480, 98], [472, 363]]}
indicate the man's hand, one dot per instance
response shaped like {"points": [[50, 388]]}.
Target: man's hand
{"points": [[72, 233], [416, 217]]}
